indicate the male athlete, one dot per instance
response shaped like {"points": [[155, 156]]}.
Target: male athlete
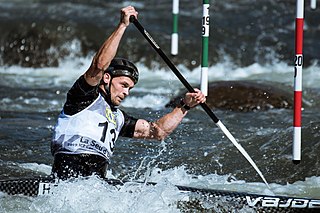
{"points": [[91, 122]]}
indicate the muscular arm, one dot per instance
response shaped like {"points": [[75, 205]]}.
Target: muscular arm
{"points": [[109, 48], [161, 128]]}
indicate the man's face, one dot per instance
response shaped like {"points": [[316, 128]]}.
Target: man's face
{"points": [[120, 88]]}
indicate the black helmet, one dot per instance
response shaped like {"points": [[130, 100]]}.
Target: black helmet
{"points": [[123, 67]]}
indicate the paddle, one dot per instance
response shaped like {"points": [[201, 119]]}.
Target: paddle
{"points": [[190, 89]]}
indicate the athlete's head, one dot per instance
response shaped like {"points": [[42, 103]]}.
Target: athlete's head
{"points": [[123, 67], [119, 78]]}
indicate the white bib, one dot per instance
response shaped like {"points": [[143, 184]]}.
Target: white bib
{"points": [[93, 130]]}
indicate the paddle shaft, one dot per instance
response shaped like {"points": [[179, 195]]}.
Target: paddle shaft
{"points": [[190, 89], [172, 66]]}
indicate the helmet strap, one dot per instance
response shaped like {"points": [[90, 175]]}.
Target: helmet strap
{"points": [[107, 94]]}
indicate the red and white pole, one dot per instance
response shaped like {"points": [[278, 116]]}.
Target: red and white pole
{"points": [[298, 62]]}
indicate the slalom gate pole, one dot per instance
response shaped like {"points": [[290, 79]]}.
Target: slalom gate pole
{"points": [[205, 48], [174, 35], [298, 62], [313, 4], [204, 106]]}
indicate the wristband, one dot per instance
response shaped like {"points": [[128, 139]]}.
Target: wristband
{"points": [[184, 105]]}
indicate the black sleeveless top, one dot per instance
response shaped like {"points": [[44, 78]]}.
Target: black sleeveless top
{"points": [[81, 95]]}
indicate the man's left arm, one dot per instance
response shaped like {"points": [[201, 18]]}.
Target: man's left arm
{"points": [[164, 126]]}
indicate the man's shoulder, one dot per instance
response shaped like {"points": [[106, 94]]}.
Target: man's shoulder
{"points": [[80, 96], [82, 86]]}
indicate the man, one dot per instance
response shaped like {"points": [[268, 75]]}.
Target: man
{"points": [[90, 121]]}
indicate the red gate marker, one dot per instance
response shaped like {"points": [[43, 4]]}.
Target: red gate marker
{"points": [[298, 62]]}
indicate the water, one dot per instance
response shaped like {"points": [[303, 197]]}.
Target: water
{"points": [[44, 48]]}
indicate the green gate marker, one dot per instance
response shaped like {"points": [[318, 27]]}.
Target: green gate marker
{"points": [[174, 35], [205, 48]]}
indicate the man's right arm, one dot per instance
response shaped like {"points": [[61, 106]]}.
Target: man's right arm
{"points": [[109, 48]]}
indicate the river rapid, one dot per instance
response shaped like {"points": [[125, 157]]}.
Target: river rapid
{"points": [[46, 45]]}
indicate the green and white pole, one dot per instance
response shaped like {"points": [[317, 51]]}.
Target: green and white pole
{"points": [[174, 35], [205, 48], [313, 4]]}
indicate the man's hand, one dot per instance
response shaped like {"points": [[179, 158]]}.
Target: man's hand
{"points": [[194, 98], [126, 13]]}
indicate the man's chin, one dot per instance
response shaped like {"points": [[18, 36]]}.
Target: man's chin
{"points": [[116, 103]]}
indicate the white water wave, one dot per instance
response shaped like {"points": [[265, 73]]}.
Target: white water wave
{"points": [[70, 69], [310, 187]]}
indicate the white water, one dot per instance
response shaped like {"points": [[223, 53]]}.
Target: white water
{"points": [[179, 176], [153, 91], [94, 195], [157, 86]]}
